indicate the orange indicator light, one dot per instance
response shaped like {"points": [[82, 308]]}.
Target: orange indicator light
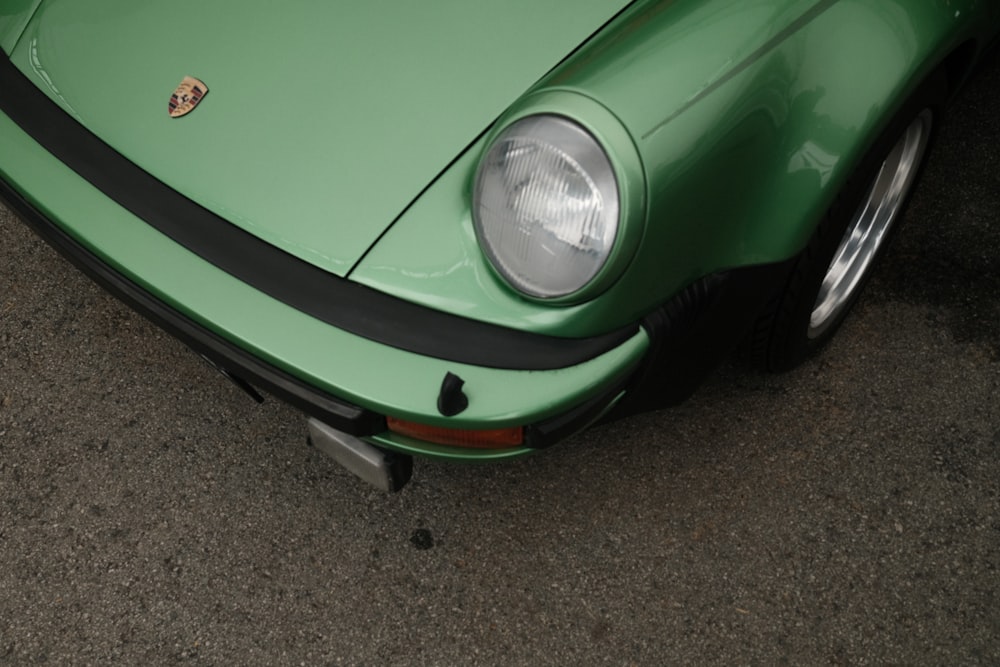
{"points": [[494, 438]]}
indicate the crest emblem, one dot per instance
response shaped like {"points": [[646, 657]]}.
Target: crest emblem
{"points": [[187, 96]]}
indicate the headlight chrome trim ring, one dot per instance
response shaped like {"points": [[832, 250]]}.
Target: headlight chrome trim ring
{"points": [[599, 142]]}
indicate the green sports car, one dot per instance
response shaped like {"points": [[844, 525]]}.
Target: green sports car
{"points": [[468, 229]]}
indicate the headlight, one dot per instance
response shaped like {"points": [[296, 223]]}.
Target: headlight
{"points": [[546, 206]]}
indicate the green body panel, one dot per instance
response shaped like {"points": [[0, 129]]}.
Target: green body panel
{"points": [[14, 17], [323, 120], [747, 117], [381, 378]]}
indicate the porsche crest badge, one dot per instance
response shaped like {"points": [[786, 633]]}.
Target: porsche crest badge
{"points": [[187, 96]]}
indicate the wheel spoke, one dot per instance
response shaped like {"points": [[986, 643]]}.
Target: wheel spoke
{"points": [[870, 225]]}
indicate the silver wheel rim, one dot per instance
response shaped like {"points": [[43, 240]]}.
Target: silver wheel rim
{"points": [[870, 225]]}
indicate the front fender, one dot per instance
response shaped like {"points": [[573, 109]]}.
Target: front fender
{"points": [[747, 116], [743, 157]]}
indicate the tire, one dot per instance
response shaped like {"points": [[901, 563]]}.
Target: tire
{"points": [[829, 274]]}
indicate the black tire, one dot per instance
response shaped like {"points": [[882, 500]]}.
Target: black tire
{"points": [[829, 274]]}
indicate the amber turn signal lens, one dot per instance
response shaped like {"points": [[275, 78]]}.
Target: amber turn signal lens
{"points": [[494, 438]]}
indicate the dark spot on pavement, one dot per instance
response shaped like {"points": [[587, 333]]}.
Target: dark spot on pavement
{"points": [[422, 539]]}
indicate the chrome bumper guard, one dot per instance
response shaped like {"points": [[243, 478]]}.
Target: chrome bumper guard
{"points": [[388, 471]]}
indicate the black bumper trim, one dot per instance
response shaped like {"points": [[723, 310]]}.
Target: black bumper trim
{"points": [[342, 303], [337, 413], [549, 432]]}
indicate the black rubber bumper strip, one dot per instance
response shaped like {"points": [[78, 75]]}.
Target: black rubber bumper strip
{"points": [[337, 413], [342, 303]]}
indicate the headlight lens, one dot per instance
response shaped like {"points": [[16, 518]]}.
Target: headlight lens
{"points": [[546, 206]]}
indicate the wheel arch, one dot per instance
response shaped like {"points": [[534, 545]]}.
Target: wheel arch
{"points": [[958, 64]]}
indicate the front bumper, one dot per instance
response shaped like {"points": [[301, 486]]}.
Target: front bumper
{"points": [[343, 380]]}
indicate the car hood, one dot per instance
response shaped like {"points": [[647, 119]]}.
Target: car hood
{"points": [[323, 121]]}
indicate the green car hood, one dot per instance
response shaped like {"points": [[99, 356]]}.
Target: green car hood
{"points": [[323, 121]]}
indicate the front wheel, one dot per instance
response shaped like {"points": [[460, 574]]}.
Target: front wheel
{"points": [[828, 275], [869, 229]]}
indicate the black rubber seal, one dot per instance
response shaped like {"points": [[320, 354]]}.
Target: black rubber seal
{"points": [[347, 305]]}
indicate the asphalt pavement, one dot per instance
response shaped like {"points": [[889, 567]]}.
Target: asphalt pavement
{"points": [[846, 512]]}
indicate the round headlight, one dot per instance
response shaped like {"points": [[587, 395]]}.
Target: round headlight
{"points": [[545, 206]]}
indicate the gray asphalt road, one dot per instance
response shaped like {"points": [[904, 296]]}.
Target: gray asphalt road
{"points": [[848, 512]]}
